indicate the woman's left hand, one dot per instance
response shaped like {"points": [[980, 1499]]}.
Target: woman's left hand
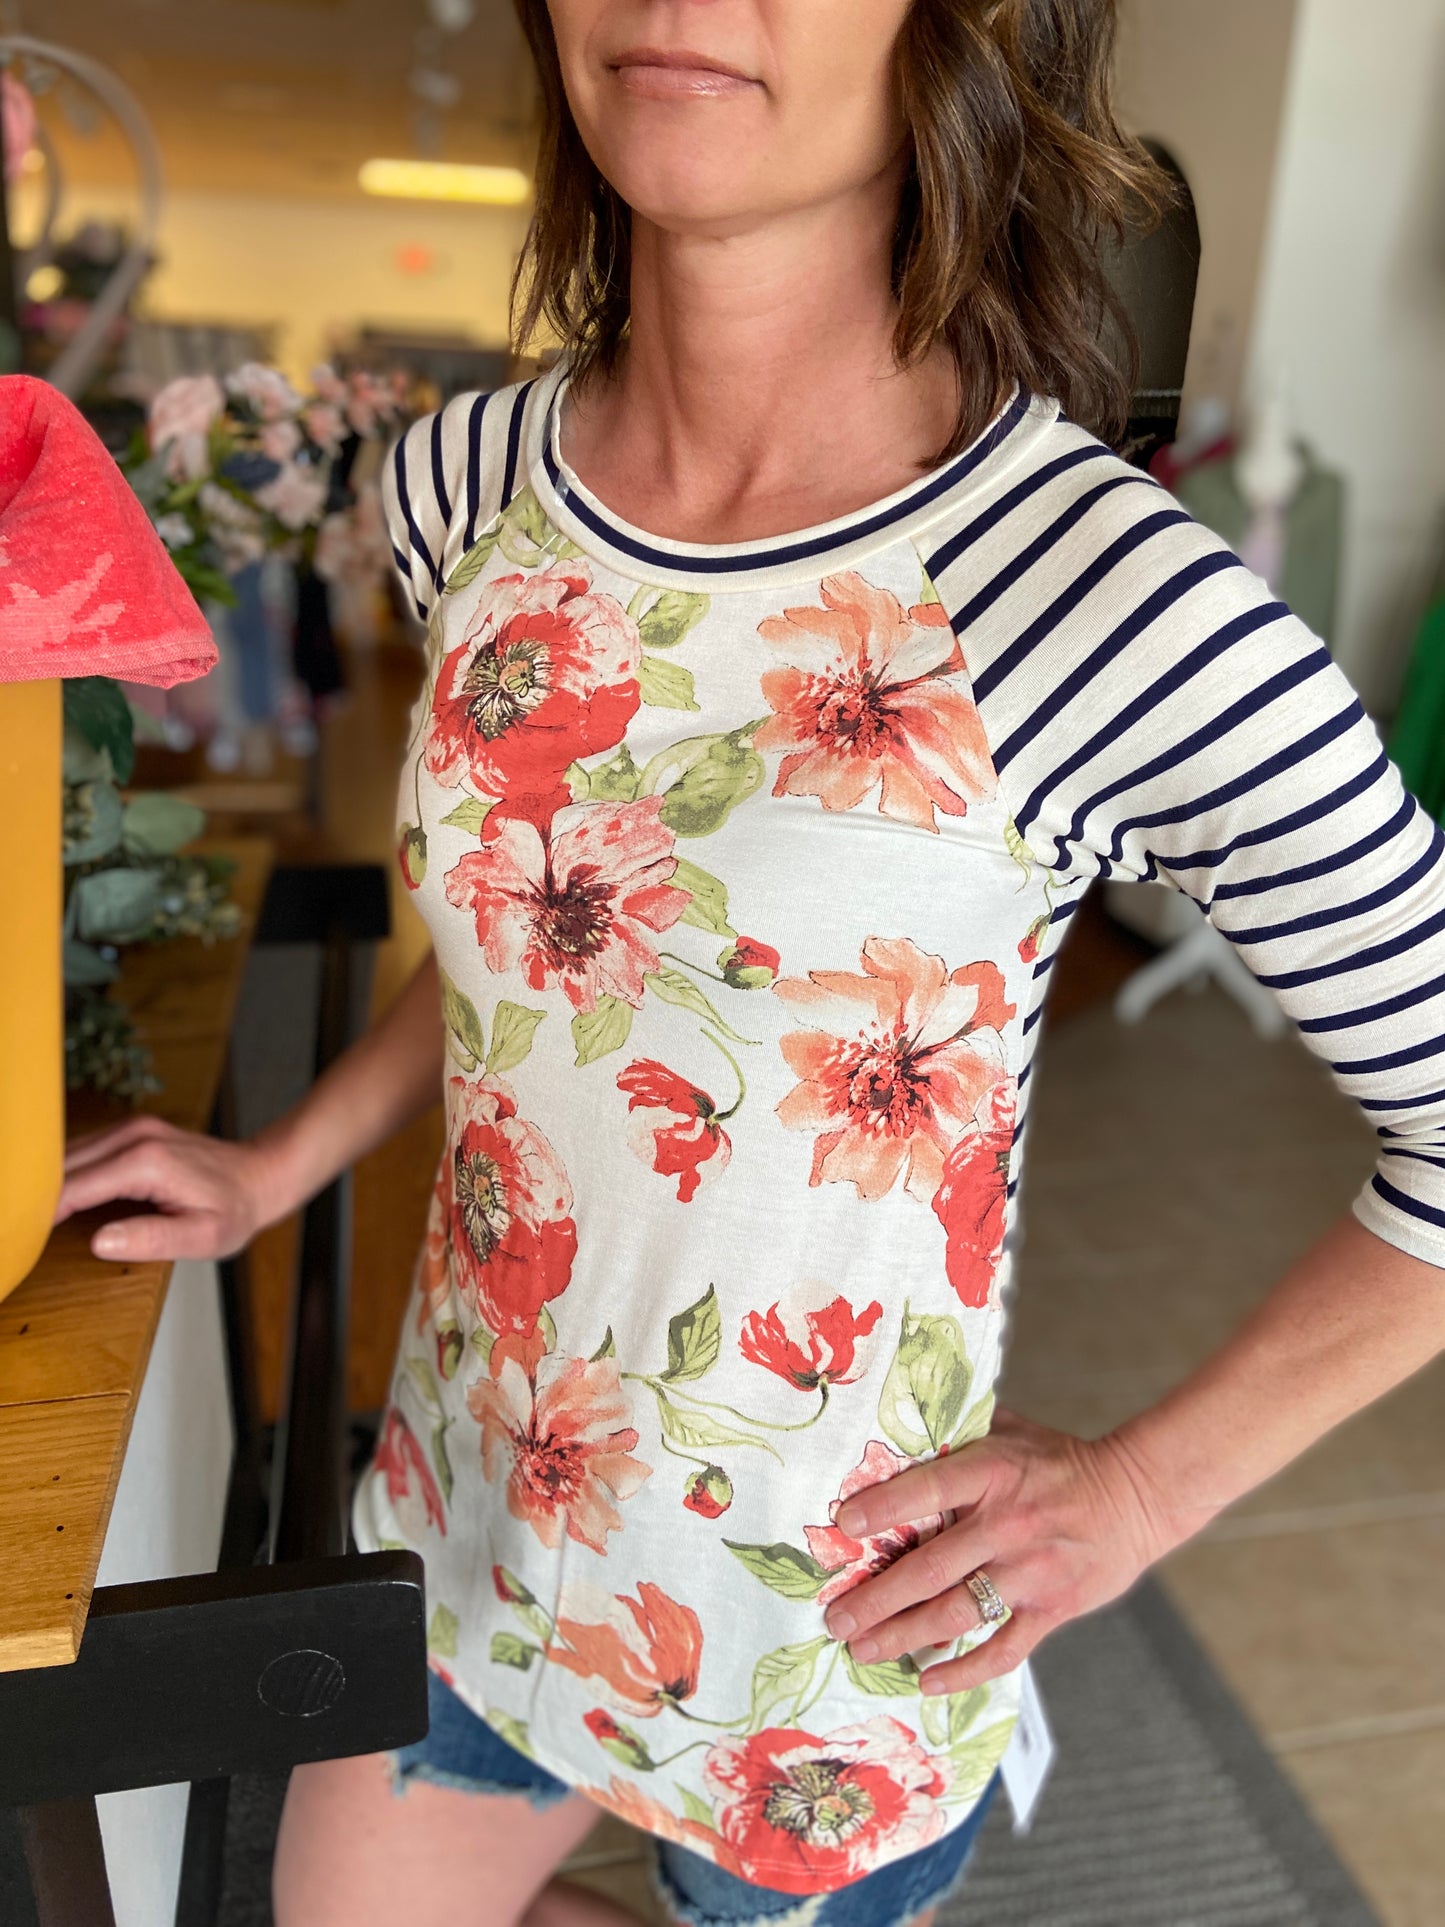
{"points": [[1061, 1525]]}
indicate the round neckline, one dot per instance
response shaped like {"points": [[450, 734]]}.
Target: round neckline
{"points": [[820, 547]]}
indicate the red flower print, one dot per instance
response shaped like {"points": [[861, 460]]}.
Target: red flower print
{"points": [[411, 855], [896, 1063], [674, 1126], [578, 906], [748, 964], [640, 1655], [620, 1741], [1034, 936], [874, 693], [812, 1336], [631, 1804], [410, 1484], [808, 1812], [850, 1561], [510, 1206], [973, 1197], [546, 673], [709, 1493], [561, 1442]]}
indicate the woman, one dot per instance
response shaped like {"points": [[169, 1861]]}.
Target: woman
{"points": [[796, 661]]}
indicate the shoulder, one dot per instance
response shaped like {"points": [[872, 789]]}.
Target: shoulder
{"points": [[451, 474]]}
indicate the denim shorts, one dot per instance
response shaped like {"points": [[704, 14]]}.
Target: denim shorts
{"points": [[461, 1751]]}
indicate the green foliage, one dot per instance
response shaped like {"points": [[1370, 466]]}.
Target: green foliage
{"points": [[597, 1033], [927, 1384], [694, 1339], [785, 1569]]}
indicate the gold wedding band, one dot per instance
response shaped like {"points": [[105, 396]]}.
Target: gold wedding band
{"points": [[991, 1608]]}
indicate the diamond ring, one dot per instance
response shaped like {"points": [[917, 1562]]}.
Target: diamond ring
{"points": [[991, 1608]]}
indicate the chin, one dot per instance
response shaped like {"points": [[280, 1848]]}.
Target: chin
{"points": [[690, 187]]}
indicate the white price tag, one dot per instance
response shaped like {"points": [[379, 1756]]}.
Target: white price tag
{"points": [[1030, 1754]]}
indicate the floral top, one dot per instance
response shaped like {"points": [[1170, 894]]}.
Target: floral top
{"points": [[745, 868]]}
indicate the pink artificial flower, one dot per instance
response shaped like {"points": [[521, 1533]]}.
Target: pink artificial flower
{"points": [[295, 497], [180, 424]]}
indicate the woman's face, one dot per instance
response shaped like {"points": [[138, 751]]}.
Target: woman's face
{"points": [[710, 116]]}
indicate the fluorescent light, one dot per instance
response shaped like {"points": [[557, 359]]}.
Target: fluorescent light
{"points": [[445, 181]]}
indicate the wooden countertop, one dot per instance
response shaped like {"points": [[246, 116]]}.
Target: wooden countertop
{"points": [[76, 1335]]}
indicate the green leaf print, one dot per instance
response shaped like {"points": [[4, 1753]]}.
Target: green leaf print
{"points": [[441, 1461], [614, 781], [510, 1650], [666, 685], [694, 1339], [948, 1716], [482, 1343], [535, 1619], [972, 1763], [700, 1431], [514, 1732], [786, 1569], [607, 1349], [928, 595], [468, 1039], [890, 1678], [976, 1425], [675, 987], [472, 563], [781, 1680], [470, 814], [513, 1028], [597, 1033], [671, 617], [1018, 849], [695, 1808], [441, 1634], [425, 1379], [714, 775], [927, 1385], [709, 907]]}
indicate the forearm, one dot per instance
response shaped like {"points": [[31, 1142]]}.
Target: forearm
{"points": [[1349, 1321], [387, 1078]]}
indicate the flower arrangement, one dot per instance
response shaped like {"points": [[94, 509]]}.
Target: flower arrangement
{"points": [[228, 469], [126, 881]]}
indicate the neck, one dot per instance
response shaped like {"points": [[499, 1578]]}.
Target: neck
{"points": [[756, 363]]}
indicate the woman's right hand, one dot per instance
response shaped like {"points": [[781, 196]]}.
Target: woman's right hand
{"points": [[210, 1196]]}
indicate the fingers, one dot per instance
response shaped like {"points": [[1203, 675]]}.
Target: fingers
{"points": [[929, 1570], [140, 1240], [97, 1145], [1009, 1647], [144, 1171], [947, 1484]]}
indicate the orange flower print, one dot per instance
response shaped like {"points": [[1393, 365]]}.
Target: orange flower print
{"points": [[639, 1655], [546, 673], [850, 1561], [972, 1200], [561, 1441], [873, 694], [578, 906], [894, 1065], [673, 1126], [808, 1812], [513, 1239], [630, 1803], [812, 1336]]}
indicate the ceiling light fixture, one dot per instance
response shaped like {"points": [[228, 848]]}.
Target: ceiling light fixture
{"points": [[445, 181]]}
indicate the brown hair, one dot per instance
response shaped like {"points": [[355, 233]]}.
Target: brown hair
{"points": [[1019, 177]]}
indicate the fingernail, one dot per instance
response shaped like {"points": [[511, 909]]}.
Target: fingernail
{"points": [[852, 1519], [864, 1649], [107, 1242], [841, 1623], [931, 1688]]}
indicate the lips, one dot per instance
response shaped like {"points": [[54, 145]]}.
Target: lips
{"points": [[677, 72]]}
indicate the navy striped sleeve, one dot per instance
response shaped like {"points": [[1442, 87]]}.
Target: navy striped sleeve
{"points": [[1167, 718]]}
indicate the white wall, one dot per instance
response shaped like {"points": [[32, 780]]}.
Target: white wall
{"points": [[1351, 310], [1207, 77], [320, 268]]}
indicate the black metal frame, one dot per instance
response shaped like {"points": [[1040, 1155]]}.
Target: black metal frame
{"points": [[294, 1649]]}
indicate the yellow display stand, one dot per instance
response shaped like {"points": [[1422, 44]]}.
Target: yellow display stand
{"points": [[32, 1046]]}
